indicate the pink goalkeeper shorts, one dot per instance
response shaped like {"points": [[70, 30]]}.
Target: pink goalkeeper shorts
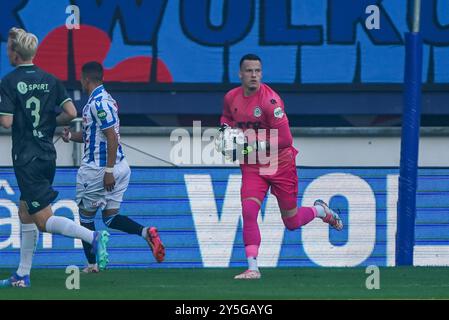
{"points": [[283, 183]]}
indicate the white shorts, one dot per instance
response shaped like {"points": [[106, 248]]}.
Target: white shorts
{"points": [[90, 192]]}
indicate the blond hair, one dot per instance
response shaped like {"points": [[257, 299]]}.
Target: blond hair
{"points": [[24, 43]]}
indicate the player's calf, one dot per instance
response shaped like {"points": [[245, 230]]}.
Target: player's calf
{"points": [[87, 221], [123, 223], [302, 217]]}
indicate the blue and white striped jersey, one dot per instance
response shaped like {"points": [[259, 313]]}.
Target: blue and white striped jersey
{"points": [[100, 112]]}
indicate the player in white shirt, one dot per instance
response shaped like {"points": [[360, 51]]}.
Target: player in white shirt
{"points": [[99, 114], [104, 174]]}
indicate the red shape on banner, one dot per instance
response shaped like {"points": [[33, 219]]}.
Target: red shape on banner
{"points": [[52, 53], [93, 44]]}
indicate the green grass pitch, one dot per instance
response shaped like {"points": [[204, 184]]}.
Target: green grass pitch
{"points": [[218, 284]]}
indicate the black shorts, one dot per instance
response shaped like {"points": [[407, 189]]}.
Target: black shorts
{"points": [[35, 181]]}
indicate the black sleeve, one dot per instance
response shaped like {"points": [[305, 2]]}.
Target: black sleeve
{"points": [[6, 105], [61, 94]]}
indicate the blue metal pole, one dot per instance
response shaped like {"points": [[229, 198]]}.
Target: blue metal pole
{"points": [[405, 237]]}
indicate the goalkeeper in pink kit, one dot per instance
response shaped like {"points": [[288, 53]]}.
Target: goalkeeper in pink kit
{"points": [[253, 107]]}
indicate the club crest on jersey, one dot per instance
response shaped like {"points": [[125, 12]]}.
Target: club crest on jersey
{"points": [[257, 112], [278, 113], [22, 87]]}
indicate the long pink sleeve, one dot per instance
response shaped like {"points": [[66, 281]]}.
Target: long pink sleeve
{"points": [[285, 138], [226, 117]]}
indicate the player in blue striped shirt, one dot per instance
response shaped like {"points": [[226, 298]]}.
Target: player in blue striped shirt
{"points": [[104, 174]]}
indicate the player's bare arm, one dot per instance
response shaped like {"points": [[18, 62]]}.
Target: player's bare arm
{"points": [[6, 109], [68, 114], [112, 145], [6, 121], [68, 135]]}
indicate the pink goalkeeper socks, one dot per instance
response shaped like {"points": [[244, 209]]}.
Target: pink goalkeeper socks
{"points": [[302, 217], [251, 232], [252, 250]]}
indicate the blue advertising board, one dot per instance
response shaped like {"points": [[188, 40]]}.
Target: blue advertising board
{"points": [[198, 213]]}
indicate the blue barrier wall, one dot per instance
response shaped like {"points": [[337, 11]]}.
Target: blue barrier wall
{"points": [[198, 214]]}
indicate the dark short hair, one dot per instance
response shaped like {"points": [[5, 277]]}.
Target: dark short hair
{"points": [[93, 70], [250, 56]]}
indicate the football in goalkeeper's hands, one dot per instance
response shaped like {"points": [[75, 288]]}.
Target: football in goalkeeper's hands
{"points": [[230, 142]]}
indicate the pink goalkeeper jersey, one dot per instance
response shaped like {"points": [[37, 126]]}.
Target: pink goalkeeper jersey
{"points": [[262, 110]]}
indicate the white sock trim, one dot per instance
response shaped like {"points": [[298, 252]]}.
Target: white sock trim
{"points": [[252, 264], [29, 227], [320, 211], [144, 232], [29, 240]]}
